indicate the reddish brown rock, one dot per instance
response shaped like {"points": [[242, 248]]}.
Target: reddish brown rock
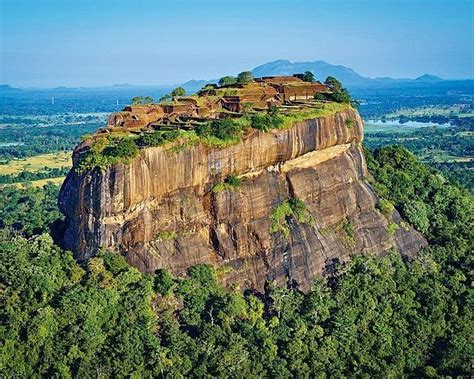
{"points": [[216, 102], [168, 194]]}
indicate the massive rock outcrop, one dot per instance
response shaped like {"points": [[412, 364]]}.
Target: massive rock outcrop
{"points": [[160, 211]]}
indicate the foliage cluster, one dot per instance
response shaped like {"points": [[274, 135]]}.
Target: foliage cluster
{"points": [[339, 94], [157, 138], [165, 98], [232, 182], [433, 205], [308, 76], [244, 77], [282, 215], [227, 80], [349, 123], [266, 122], [142, 100], [227, 130], [165, 236], [106, 151], [376, 317], [28, 210], [385, 207], [349, 231], [178, 92]]}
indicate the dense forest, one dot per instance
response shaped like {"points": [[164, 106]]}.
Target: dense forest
{"points": [[373, 317], [446, 149]]}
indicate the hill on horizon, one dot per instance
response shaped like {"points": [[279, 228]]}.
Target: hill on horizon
{"points": [[428, 78], [321, 69]]}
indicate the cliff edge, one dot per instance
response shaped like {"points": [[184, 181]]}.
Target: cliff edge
{"points": [[298, 200]]}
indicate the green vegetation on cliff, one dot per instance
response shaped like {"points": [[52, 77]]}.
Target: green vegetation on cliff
{"points": [[339, 94], [106, 151], [157, 138], [122, 147], [232, 182], [373, 317], [283, 213]]}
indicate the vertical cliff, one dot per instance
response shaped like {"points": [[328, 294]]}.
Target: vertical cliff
{"points": [[303, 200]]}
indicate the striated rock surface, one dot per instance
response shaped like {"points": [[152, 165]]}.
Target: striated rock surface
{"points": [[159, 211]]}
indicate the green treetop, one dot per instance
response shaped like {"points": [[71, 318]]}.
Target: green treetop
{"points": [[179, 91], [142, 100], [244, 77], [227, 80], [308, 76]]}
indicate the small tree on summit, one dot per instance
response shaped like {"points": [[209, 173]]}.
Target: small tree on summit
{"points": [[142, 100], [331, 81], [227, 80], [165, 98], [340, 94], [179, 91], [308, 76], [244, 77]]}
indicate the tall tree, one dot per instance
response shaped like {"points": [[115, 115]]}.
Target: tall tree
{"points": [[244, 77], [227, 80], [308, 76], [178, 92]]}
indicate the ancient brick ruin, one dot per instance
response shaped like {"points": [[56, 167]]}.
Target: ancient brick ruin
{"points": [[214, 102]]}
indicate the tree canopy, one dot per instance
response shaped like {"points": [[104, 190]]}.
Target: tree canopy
{"points": [[166, 97], [308, 76], [244, 77], [332, 82], [381, 316], [178, 92], [227, 80], [339, 94], [142, 100]]}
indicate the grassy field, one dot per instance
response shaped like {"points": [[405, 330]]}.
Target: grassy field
{"points": [[37, 163], [36, 183], [443, 156], [42, 182], [389, 127]]}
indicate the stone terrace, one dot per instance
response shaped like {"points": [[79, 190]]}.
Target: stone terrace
{"points": [[215, 102]]}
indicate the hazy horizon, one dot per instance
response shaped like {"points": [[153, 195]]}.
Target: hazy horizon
{"points": [[171, 84], [99, 43]]}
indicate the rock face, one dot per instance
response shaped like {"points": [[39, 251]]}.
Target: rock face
{"points": [[159, 211]]}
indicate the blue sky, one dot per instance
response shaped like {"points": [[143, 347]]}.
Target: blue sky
{"points": [[49, 43]]}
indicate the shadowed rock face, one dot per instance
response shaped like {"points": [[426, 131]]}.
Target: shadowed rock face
{"points": [[167, 193]]}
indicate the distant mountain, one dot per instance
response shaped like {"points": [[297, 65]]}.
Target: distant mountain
{"points": [[198, 83], [320, 69], [389, 80], [193, 86], [5, 88], [427, 78]]}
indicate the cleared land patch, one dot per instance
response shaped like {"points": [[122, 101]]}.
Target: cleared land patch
{"points": [[36, 163]]}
